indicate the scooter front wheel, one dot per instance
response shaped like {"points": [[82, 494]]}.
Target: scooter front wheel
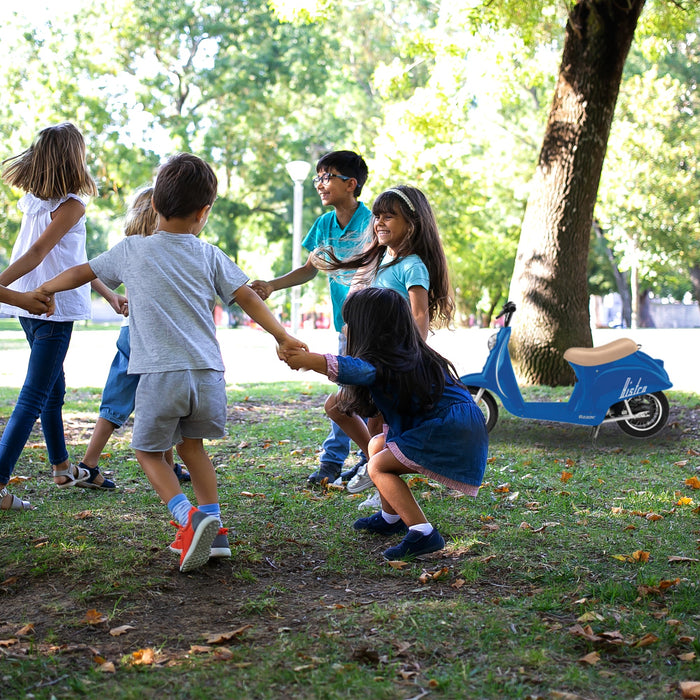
{"points": [[487, 404], [655, 406]]}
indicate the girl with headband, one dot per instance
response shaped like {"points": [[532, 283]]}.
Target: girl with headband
{"points": [[405, 254]]}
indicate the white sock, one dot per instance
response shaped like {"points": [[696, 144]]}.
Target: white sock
{"points": [[423, 528], [391, 519]]}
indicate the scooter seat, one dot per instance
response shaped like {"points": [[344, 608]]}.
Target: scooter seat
{"points": [[590, 357]]}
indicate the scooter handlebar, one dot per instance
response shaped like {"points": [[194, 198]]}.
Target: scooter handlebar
{"points": [[508, 310]]}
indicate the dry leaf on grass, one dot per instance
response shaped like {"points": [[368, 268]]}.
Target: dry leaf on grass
{"points": [[122, 629], [690, 689], [221, 637], [94, 617]]}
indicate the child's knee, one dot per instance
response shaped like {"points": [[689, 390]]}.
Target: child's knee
{"points": [[330, 406]]}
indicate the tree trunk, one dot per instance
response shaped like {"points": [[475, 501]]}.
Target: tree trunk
{"points": [[695, 281], [549, 285], [621, 278]]}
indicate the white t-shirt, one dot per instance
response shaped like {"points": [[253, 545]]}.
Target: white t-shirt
{"points": [[74, 304]]}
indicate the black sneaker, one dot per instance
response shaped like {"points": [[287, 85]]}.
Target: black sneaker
{"points": [[346, 476], [415, 544], [376, 524], [326, 470]]}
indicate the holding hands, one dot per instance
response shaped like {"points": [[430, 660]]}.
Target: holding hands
{"points": [[262, 289]]}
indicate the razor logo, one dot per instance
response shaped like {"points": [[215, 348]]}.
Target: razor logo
{"points": [[628, 390]]}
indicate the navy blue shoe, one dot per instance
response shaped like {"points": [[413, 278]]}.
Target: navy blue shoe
{"points": [[326, 470], [181, 474], [378, 526], [94, 481], [415, 544]]}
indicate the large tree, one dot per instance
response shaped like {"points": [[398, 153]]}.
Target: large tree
{"points": [[550, 283]]}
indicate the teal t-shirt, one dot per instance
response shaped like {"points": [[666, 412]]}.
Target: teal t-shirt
{"points": [[344, 242], [406, 273]]}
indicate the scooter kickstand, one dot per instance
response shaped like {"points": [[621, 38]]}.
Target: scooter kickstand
{"points": [[594, 432]]}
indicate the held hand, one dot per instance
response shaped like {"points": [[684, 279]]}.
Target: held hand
{"points": [[37, 302], [290, 344], [119, 303], [261, 288], [298, 358]]}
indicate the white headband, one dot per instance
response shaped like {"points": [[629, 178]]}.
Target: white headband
{"points": [[405, 198]]}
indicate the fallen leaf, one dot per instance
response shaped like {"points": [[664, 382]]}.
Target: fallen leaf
{"points": [[84, 515], [693, 482], [458, 583], [589, 617], [690, 689], [646, 640], [25, 631], [682, 559], [143, 657], [592, 658], [94, 617], [219, 637], [398, 564], [684, 501], [640, 555], [122, 629], [565, 476], [107, 667], [689, 656]]}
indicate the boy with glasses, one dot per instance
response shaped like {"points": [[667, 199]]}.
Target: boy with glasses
{"points": [[340, 178]]}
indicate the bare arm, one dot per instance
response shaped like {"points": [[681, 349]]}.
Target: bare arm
{"points": [[418, 297], [299, 359], [117, 301], [300, 275], [63, 219], [70, 279], [256, 308]]}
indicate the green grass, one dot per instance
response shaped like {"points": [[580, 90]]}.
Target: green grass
{"points": [[547, 565]]}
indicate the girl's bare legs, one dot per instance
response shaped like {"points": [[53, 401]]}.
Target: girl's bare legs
{"points": [[101, 434], [353, 426], [396, 496]]}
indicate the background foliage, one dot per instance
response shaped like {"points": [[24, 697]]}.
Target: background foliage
{"points": [[449, 96]]}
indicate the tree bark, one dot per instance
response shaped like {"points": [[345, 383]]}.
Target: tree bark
{"points": [[549, 285]]}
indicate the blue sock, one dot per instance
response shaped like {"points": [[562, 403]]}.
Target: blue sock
{"points": [[212, 509], [180, 507]]}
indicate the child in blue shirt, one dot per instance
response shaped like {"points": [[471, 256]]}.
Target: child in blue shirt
{"points": [[432, 425]]}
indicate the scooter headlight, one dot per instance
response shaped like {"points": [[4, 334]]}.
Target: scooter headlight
{"points": [[492, 341]]}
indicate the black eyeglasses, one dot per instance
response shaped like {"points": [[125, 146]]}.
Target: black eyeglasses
{"points": [[325, 178]]}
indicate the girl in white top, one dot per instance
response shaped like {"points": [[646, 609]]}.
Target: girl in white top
{"points": [[53, 172]]}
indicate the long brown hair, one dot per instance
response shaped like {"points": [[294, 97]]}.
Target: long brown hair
{"points": [[53, 166], [381, 331], [421, 239]]}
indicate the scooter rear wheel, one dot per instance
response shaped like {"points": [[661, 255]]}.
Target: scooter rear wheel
{"points": [[487, 404], [656, 406]]}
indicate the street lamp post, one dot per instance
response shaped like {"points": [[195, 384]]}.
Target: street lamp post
{"points": [[298, 170]]}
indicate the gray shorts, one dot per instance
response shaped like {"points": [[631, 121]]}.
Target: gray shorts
{"points": [[181, 404]]}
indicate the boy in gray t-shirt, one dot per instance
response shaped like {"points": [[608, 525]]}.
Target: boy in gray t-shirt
{"points": [[174, 279]]}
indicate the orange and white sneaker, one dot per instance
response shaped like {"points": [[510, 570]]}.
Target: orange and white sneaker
{"points": [[220, 548], [196, 538]]}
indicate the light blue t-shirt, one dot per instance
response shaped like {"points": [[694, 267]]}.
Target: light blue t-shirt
{"points": [[406, 273], [343, 242]]}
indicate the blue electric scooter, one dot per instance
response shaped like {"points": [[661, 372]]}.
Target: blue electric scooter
{"points": [[615, 383]]}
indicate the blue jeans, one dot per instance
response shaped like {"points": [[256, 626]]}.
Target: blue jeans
{"points": [[336, 446], [119, 394], [41, 395]]}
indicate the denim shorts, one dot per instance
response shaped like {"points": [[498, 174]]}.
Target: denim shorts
{"points": [[181, 404], [119, 394]]}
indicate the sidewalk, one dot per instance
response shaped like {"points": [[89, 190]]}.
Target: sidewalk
{"points": [[249, 354]]}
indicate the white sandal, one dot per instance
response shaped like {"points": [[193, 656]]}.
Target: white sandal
{"points": [[73, 479], [15, 503]]}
